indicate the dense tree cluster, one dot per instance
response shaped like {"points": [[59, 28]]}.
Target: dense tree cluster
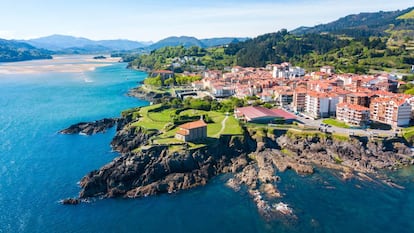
{"points": [[188, 59], [179, 80]]}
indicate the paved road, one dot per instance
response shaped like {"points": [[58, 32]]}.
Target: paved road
{"points": [[363, 132]]}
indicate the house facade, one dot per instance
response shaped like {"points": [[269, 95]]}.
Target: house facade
{"points": [[392, 111], [320, 105], [192, 131], [352, 114]]}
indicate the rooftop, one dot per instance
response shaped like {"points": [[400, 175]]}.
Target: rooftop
{"points": [[193, 125]]}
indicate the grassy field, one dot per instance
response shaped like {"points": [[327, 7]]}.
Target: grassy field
{"points": [[147, 122], [409, 15], [408, 133], [232, 126], [158, 121], [336, 123], [213, 129]]}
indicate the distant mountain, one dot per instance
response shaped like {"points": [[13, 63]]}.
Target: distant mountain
{"points": [[11, 51], [188, 41], [66, 44], [361, 25]]}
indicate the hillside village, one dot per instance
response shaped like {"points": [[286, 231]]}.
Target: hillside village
{"points": [[354, 99]]}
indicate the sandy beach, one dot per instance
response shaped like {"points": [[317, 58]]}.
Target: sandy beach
{"points": [[66, 64]]}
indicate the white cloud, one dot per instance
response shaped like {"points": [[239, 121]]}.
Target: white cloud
{"points": [[5, 34]]}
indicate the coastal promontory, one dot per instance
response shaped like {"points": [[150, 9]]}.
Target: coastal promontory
{"points": [[153, 161]]}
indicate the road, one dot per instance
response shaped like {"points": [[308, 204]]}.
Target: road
{"points": [[333, 129]]}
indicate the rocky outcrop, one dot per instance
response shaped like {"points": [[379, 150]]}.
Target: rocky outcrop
{"points": [[89, 128], [348, 155], [254, 158], [129, 138], [156, 170], [150, 96], [71, 201]]}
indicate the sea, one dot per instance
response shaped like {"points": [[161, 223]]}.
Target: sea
{"points": [[39, 167]]}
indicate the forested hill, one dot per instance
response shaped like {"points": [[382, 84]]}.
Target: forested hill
{"points": [[281, 46], [361, 25], [362, 43], [11, 51], [366, 42]]}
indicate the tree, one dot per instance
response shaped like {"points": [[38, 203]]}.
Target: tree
{"points": [[169, 82]]}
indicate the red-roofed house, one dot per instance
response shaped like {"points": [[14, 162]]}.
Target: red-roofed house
{"points": [[196, 130], [352, 114], [359, 98], [164, 74], [299, 99], [395, 111], [320, 105]]}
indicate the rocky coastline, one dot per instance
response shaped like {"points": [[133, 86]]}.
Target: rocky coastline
{"points": [[253, 160], [90, 128], [149, 96]]}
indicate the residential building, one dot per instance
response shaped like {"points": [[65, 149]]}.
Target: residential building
{"points": [[358, 98], [192, 131], [352, 114], [327, 69], [320, 105], [391, 110], [164, 74], [299, 100]]}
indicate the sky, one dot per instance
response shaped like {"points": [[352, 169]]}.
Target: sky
{"points": [[146, 20]]}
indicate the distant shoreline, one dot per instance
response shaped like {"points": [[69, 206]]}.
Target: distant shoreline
{"points": [[59, 64]]}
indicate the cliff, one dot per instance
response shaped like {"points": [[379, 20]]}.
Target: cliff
{"points": [[155, 169], [255, 158]]}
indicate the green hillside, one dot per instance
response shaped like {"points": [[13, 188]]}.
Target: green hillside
{"points": [[409, 15], [11, 51]]}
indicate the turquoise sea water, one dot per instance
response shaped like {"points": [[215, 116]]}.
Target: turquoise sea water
{"points": [[39, 167]]}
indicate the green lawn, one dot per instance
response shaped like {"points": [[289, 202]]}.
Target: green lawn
{"points": [[336, 123], [146, 122], [212, 128], [232, 126], [158, 121], [408, 133], [163, 116]]}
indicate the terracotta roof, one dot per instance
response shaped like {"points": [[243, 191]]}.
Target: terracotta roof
{"points": [[163, 71], [182, 132], [283, 113], [193, 125], [300, 90], [358, 94], [256, 112]]}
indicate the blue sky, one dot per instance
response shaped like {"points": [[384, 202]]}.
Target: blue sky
{"points": [[154, 20]]}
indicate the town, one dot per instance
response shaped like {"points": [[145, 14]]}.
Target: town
{"points": [[354, 101]]}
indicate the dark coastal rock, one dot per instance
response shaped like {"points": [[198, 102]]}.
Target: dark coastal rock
{"points": [[155, 170], [255, 158], [129, 138], [89, 128], [351, 154], [71, 201], [150, 96]]}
